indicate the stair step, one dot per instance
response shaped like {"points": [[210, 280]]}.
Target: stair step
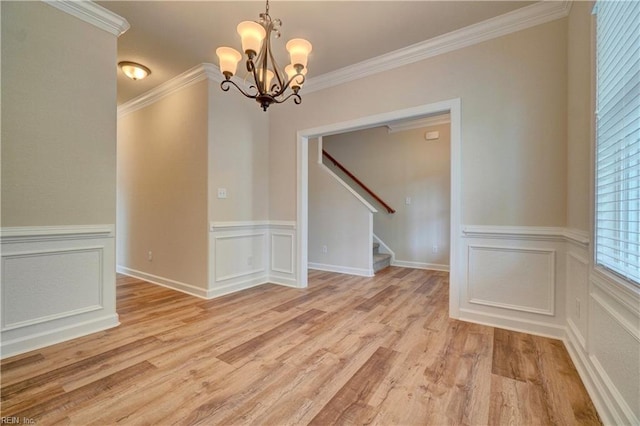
{"points": [[376, 246], [381, 261]]}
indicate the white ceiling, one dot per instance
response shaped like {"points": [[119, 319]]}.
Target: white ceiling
{"points": [[171, 37]]}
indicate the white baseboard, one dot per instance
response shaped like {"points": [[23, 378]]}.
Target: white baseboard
{"points": [[193, 290], [362, 272], [57, 335], [284, 281], [420, 265], [164, 282], [236, 286], [513, 323], [595, 388]]}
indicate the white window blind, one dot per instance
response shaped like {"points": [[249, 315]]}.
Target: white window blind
{"points": [[617, 245]]}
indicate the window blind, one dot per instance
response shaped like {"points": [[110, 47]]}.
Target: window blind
{"points": [[617, 192]]}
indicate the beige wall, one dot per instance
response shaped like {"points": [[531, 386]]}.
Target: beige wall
{"points": [[337, 220], [58, 118], [400, 165], [579, 116], [513, 99], [162, 187], [238, 157]]}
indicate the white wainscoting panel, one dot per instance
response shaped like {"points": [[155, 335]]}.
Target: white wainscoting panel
{"points": [[246, 254], [283, 245], [614, 348], [512, 278], [58, 283], [239, 255], [32, 279], [283, 254], [578, 295]]}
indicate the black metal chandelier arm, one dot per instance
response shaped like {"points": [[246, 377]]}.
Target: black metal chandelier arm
{"points": [[296, 98], [224, 85], [286, 86]]}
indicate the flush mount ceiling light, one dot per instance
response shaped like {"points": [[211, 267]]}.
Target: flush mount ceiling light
{"points": [[133, 70], [261, 65]]}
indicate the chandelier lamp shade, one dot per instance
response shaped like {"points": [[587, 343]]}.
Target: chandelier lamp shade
{"points": [[268, 83]]}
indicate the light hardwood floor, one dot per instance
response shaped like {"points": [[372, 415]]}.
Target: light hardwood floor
{"points": [[346, 350]]}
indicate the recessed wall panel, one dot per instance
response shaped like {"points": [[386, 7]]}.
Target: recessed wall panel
{"points": [[512, 278], [39, 286]]}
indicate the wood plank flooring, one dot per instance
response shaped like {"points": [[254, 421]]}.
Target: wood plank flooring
{"points": [[346, 350]]}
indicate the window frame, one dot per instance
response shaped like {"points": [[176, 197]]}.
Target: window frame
{"points": [[602, 272]]}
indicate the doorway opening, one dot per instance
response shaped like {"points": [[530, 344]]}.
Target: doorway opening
{"points": [[452, 107]]}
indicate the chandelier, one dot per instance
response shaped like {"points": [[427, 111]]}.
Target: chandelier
{"points": [[261, 65]]}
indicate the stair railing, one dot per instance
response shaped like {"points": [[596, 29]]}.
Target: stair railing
{"points": [[336, 163]]}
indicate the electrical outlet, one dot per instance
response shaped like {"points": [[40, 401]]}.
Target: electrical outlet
{"points": [[434, 248], [324, 249], [150, 256], [222, 193]]}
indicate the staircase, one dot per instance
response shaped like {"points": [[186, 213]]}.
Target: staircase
{"points": [[380, 260]]}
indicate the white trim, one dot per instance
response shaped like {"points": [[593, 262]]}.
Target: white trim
{"points": [[93, 14], [254, 271], [521, 325], [44, 233], [517, 20], [252, 224], [626, 296], [341, 269], [74, 312], [595, 388], [620, 403], [403, 126], [61, 334], [349, 188], [64, 321], [164, 282], [577, 236], [551, 283], [291, 239], [520, 19], [385, 247], [534, 233], [453, 106], [192, 76], [236, 286], [632, 329], [575, 331], [420, 265]]}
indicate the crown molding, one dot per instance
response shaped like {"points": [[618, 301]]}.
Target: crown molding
{"points": [[526, 17], [93, 14], [517, 20], [194, 75]]}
